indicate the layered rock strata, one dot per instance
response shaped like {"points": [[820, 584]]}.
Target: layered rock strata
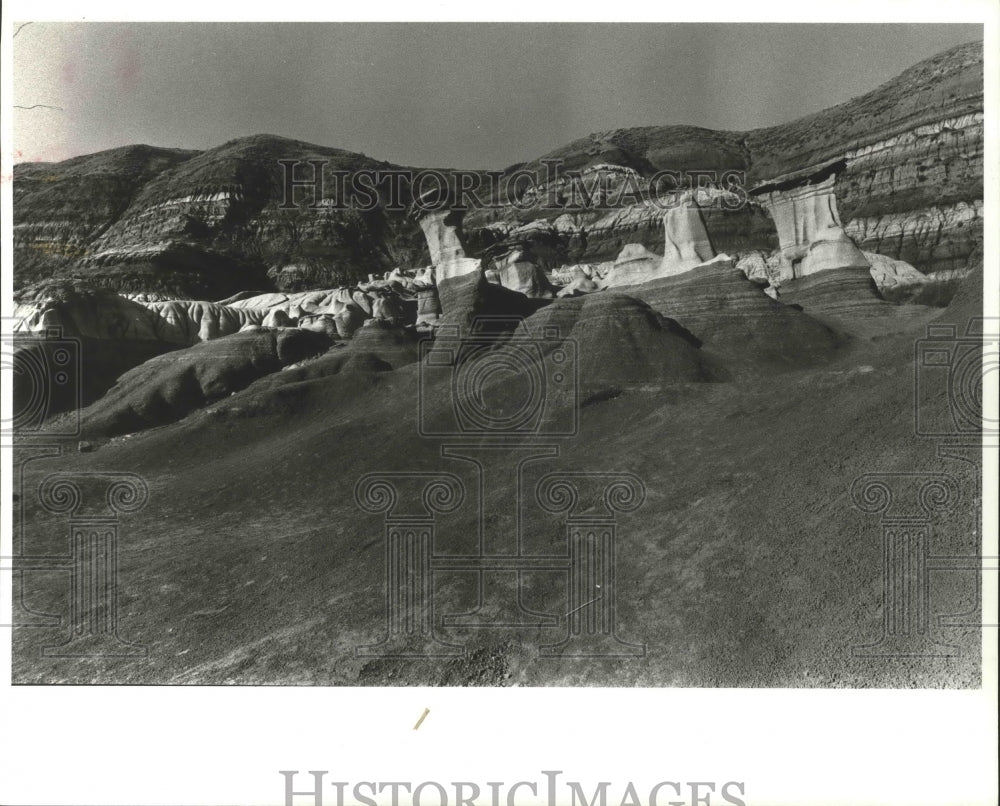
{"points": [[733, 317]]}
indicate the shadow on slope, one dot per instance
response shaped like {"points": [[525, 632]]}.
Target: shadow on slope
{"points": [[168, 387], [849, 300], [737, 321], [746, 565]]}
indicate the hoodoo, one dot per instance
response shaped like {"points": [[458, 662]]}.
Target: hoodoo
{"points": [[443, 231], [686, 242], [810, 236], [646, 410]]}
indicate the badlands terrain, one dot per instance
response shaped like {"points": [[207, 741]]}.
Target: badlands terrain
{"points": [[746, 362]]}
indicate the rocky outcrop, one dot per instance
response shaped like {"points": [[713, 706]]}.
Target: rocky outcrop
{"points": [[760, 268], [168, 387], [464, 293], [893, 278], [562, 275], [736, 320], [114, 333], [182, 323], [579, 281], [847, 296], [98, 314], [893, 275], [598, 236], [443, 232], [911, 186], [428, 306], [77, 310], [810, 236], [202, 225], [686, 245], [515, 268], [107, 335], [943, 239], [635, 264], [686, 242], [323, 301]]}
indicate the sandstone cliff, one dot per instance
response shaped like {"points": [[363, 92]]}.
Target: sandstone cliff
{"points": [[912, 183], [202, 225], [906, 161]]}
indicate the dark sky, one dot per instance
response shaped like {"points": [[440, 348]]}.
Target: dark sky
{"points": [[445, 95]]}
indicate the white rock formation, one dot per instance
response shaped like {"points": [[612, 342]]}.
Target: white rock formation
{"points": [[320, 323], [810, 234], [388, 308], [301, 303], [754, 266], [442, 229], [771, 271], [516, 272], [593, 271], [111, 317], [890, 273], [686, 242], [187, 322], [635, 264], [424, 278], [180, 323], [581, 282]]}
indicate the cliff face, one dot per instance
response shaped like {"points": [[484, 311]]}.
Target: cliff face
{"points": [[583, 225], [912, 183], [202, 224], [811, 236], [60, 209], [907, 162]]}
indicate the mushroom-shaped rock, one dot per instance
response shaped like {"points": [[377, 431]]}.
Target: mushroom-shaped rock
{"points": [[810, 234], [442, 228]]}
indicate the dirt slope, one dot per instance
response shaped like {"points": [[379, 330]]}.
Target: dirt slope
{"points": [[747, 565]]}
